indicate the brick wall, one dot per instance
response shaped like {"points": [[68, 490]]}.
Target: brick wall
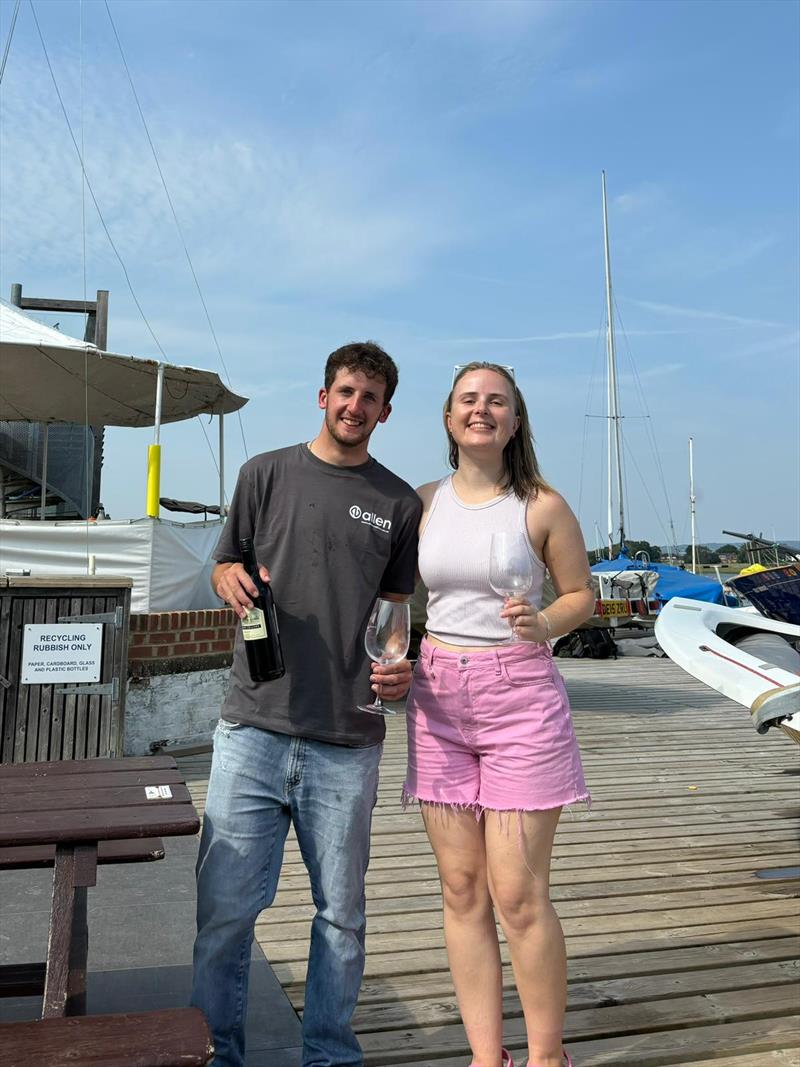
{"points": [[175, 640]]}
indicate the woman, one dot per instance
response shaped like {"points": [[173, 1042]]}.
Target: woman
{"points": [[492, 756]]}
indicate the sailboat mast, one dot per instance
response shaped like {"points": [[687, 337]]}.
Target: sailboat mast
{"points": [[614, 443], [610, 468], [691, 505]]}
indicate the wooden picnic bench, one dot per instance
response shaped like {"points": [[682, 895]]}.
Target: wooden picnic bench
{"points": [[137, 850], [73, 815], [27, 979], [178, 1037]]}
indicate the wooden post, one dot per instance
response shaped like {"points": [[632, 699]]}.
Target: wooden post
{"points": [[43, 505], [221, 418], [16, 294], [101, 319]]}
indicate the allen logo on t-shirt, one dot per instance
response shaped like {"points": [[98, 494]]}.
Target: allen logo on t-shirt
{"points": [[369, 519]]}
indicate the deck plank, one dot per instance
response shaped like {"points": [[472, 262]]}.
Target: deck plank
{"points": [[666, 1048], [679, 954]]}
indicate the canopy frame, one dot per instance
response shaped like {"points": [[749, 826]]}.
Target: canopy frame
{"points": [[48, 364]]}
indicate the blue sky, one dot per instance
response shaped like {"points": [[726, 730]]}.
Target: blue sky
{"points": [[428, 175]]}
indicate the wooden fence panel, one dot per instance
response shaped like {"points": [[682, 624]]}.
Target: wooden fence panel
{"points": [[36, 721]]}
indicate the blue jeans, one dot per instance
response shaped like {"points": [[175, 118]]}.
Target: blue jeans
{"points": [[260, 783]]}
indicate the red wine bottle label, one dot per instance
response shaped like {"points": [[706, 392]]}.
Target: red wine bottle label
{"points": [[254, 625]]}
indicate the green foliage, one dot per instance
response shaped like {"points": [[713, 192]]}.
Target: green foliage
{"points": [[653, 551], [704, 555]]}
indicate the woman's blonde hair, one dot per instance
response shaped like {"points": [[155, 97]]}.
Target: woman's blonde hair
{"points": [[521, 467]]}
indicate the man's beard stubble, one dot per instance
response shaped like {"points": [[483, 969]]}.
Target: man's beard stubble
{"points": [[348, 442]]}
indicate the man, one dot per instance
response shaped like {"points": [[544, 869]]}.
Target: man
{"points": [[332, 530]]}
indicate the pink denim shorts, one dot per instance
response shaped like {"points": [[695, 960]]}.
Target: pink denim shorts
{"points": [[491, 729]]}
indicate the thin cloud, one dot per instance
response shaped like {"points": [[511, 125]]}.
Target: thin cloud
{"points": [[567, 335], [700, 313], [487, 18], [661, 371], [260, 390], [644, 199], [788, 342], [706, 252]]}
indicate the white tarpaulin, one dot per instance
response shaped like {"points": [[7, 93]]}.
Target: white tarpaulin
{"points": [[169, 562], [47, 376]]}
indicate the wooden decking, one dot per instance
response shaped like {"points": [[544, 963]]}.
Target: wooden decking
{"points": [[679, 953]]}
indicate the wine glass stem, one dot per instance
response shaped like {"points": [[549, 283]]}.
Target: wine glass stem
{"points": [[512, 622], [378, 703]]}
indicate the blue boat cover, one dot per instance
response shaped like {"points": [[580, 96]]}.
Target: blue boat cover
{"points": [[672, 581]]}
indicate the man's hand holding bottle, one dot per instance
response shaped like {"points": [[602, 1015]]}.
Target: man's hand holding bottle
{"points": [[245, 586], [236, 587]]}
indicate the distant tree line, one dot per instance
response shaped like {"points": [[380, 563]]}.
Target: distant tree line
{"points": [[704, 554], [714, 555]]}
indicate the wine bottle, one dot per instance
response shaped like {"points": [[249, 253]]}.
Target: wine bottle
{"points": [[262, 642]]}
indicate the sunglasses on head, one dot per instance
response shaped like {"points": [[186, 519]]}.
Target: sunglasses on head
{"points": [[459, 367]]}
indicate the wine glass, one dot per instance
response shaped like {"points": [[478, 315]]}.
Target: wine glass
{"points": [[510, 568], [386, 641]]}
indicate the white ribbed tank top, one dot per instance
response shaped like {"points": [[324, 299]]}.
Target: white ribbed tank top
{"points": [[463, 609]]}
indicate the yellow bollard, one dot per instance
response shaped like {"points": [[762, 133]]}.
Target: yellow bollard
{"points": [[153, 480]]}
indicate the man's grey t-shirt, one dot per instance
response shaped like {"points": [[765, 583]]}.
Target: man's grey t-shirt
{"points": [[333, 538]]}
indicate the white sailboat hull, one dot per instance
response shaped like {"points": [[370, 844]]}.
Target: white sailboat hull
{"points": [[693, 633]]}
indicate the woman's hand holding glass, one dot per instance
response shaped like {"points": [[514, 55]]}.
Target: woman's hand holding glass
{"points": [[511, 575], [527, 623]]}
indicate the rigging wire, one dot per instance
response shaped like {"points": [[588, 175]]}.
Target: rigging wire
{"points": [[586, 416], [87, 473], [8, 39], [174, 216], [91, 190], [632, 457], [99, 212], [589, 388], [650, 429], [603, 457], [580, 475], [624, 490], [687, 520]]}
